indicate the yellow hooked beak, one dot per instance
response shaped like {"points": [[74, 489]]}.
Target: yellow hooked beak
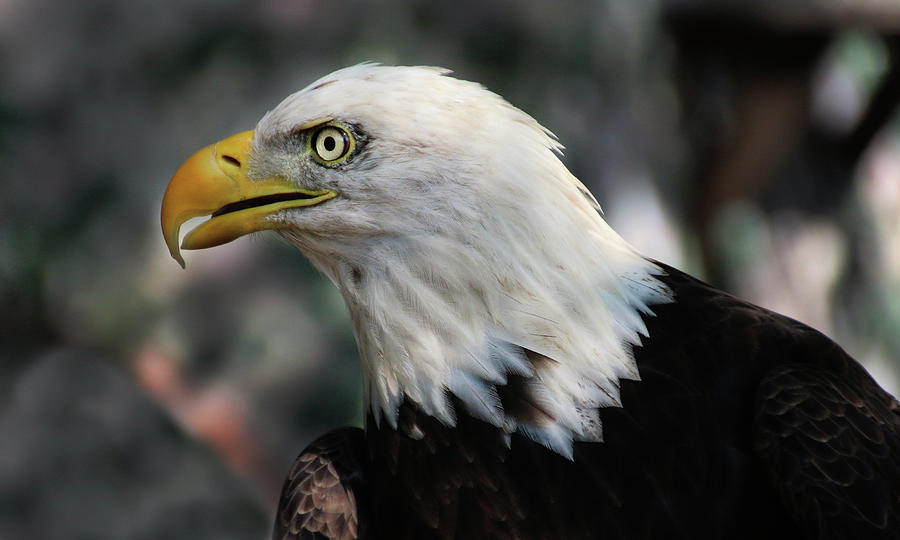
{"points": [[213, 182]]}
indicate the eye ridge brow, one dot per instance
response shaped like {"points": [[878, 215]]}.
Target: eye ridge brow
{"points": [[314, 123]]}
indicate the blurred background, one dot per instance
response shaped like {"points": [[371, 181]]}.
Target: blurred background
{"points": [[754, 144]]}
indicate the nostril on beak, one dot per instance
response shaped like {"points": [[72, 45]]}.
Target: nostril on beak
{"points": [[231, 160]]}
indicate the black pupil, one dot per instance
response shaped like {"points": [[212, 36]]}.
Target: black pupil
{"points": [[329, 143]]}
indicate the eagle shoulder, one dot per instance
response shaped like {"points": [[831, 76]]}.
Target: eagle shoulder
{"points": [[322, 497], [831, 442]]}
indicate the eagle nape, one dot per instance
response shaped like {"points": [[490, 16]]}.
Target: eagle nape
{"points": [[528, 373]]}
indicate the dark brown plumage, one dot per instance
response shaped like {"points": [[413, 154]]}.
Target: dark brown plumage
{"points": [[324, 494], [745, 424]]}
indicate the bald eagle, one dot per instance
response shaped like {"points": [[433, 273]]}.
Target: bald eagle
{"points": [[528, 374]]}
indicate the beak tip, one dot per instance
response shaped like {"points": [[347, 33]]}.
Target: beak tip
{"points": [[172, 243], [176, 254]]}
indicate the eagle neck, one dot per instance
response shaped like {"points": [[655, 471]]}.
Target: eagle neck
{"points": [[437, 317]]}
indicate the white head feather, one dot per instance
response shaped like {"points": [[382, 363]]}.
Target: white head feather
{"points": [[459, 240]]}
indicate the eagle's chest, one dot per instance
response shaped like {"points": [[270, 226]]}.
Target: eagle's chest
{"points": [[461, 482], [650, 479]]}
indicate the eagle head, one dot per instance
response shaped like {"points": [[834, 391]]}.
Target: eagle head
{"points": [[465, 250]]}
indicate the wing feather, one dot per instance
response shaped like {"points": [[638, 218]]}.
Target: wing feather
{"points": [[323, 494], [833, 447]]}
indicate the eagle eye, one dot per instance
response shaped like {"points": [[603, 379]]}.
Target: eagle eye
{"points": [[331, 143]]}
